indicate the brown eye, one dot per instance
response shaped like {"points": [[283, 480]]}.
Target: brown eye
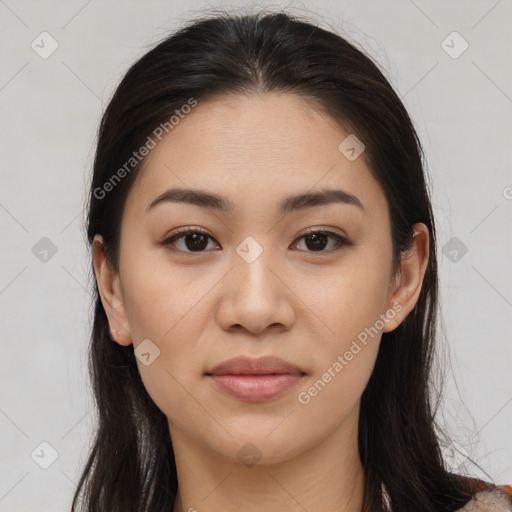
{"points": [[191, 240], [317, 240]]}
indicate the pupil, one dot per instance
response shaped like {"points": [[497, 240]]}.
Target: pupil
{"points": [[315, 238], [196, 238]]}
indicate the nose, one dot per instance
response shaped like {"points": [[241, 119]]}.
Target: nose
{"points": [[255, 296]]}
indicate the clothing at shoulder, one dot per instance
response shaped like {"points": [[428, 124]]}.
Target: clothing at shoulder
{"points": [[489, 498]]}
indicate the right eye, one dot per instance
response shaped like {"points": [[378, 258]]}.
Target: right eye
{"points": [[192, 240]]}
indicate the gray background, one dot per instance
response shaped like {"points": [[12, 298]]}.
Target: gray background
{"points": [[50, 110]]}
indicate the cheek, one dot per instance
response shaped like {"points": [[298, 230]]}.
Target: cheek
{"points": [[333, 395], [346, 351], [350, 303], [161, 297], [347, 300], [169, 307], [157, 311]]}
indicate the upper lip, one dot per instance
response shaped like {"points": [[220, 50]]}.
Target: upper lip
{"points": [[265, 365]]}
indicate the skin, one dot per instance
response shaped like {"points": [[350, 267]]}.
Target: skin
{"points": [[302, 305]]}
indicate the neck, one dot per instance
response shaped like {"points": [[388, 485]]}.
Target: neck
{"points": [[325, 477]]}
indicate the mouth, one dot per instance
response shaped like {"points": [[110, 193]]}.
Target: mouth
{"points": [[255, 380]]}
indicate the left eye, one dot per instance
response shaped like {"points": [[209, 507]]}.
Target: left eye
{"points": [[195, 240], [318, 239]]}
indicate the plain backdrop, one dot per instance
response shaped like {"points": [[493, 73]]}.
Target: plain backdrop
{"points": [[456, 87]]}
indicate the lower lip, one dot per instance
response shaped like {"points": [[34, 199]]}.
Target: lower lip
{"points": [[256, 388]]}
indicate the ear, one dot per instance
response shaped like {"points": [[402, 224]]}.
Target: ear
{"points": [[111, 295], [413, 265]]}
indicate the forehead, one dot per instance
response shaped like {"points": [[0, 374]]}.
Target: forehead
{"points": [[255, 148]]}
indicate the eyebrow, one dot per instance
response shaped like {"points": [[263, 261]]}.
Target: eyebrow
{"points": [[205, 199]]}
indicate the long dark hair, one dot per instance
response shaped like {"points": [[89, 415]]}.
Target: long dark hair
{"points": [[131, 465]]}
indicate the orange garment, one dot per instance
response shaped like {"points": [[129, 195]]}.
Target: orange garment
{"points": [[489, 497]]}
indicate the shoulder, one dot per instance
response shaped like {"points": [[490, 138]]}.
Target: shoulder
{"points": [[489, 497]]}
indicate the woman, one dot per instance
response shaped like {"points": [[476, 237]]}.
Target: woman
{"points": [[266, 284]]}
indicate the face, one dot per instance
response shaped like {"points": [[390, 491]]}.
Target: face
{"points": [[311, 283]]}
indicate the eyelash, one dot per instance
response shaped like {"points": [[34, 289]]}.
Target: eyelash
{"points": [[180, 233]]}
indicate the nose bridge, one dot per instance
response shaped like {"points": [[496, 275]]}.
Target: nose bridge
{"points": [[253, 269], [254, 297]]}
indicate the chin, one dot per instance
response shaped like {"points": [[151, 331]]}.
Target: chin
{"points": [[256, 446]]}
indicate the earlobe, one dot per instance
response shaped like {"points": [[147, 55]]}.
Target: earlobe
{"points": [[413, 266], [110, 291]]}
